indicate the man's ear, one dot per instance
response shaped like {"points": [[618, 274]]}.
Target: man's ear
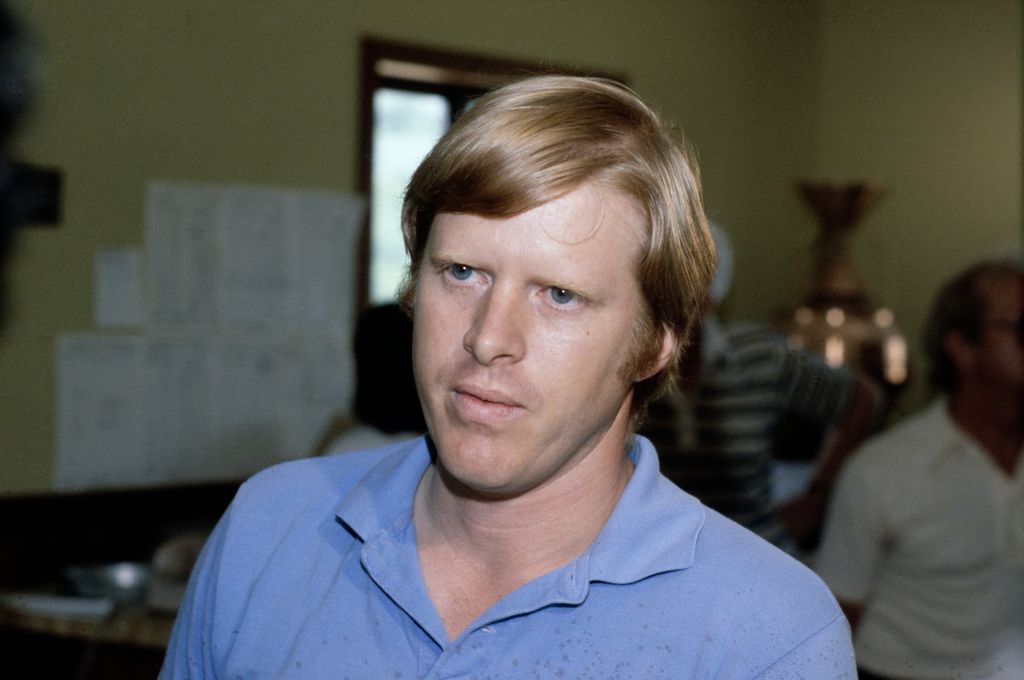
{"points": [[664, 356], [961, 351]]}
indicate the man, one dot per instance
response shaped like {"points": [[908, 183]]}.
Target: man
{"points": [[559, 257], [924, 542], [716, 434]]}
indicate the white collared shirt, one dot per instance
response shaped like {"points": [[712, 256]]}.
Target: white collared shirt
{"points": [[927, 533]]}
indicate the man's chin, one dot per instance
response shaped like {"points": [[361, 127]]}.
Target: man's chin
{"points": [[478, 485], [477, 469]]}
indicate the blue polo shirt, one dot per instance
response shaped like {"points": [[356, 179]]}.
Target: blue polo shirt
{"points": [[313, 572]]}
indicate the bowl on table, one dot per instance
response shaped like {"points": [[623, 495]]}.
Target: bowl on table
{"points": [[118, 581]]}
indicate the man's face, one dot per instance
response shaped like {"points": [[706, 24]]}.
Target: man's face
{"points": [[521, 328], [999, 359]]}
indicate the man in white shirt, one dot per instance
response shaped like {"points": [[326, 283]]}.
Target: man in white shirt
{"points": [[924, 542]]}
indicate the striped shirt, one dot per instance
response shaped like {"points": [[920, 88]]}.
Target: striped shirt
{"points": [[717, 442]]}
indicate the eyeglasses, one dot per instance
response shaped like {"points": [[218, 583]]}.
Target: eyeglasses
{"points": [[1014, 326]]}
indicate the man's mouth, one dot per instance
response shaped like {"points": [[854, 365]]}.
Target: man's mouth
{"points": [[483, 405]]}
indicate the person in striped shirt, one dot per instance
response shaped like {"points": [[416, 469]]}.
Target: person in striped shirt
{"points": [[716, 433]]}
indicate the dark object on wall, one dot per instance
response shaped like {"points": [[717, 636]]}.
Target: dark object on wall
{"points": [[34, 195], [14, 101]]}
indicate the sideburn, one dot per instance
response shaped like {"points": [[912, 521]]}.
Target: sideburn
{"points": [[645, 346]]}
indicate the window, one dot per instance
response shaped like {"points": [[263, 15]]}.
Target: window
{"points": [[406, 125]]}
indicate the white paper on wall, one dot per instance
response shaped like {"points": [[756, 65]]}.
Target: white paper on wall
{"points": [[324, 231], [179, 393], [182, 255], [322, 376], [172, 409], [243, 259], [251, 407], [254, 286], [245, 351], [100, 410], [117, 286]]}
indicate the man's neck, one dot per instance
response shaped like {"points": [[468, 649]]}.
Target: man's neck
{"points": [[996, 422], [474, 551]]}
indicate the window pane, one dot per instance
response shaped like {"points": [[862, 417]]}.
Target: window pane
{"points": [[405, 127]]}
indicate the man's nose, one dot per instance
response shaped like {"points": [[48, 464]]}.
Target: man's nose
{"points": [[497, 331]]}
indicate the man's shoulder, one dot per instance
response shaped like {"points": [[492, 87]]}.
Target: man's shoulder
{"points": [[736, 573], [295, 502], [916, 438], [309, 481], [754, 604], [731, 555]]}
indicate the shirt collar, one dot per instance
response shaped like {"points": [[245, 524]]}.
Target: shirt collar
{"points": [[956, 441], [947, 439], [385, 495], [653, 528]]}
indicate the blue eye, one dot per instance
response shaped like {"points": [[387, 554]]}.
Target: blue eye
{"points": [[460, 272], [562, 296]]}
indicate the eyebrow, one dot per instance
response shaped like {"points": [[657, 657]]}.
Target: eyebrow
{"points": [[585, 292]]}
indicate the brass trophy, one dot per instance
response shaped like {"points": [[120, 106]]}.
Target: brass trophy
{"points": [[835, 318]]}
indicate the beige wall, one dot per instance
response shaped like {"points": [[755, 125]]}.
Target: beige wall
{"points": [[925, 95], [768, 92]]}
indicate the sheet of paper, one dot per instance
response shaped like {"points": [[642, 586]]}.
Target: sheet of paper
{"points": [[100, 411], [117, 277], [250, 406], [163, 409], [324, 233], [254, 285], [179, 396], [182, 255], [320, 385], [242, 258]]}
